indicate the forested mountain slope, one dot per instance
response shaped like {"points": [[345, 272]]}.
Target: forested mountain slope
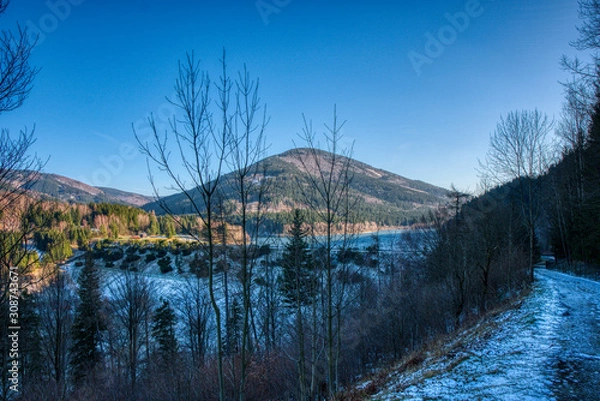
{"points": [[385, 198]]}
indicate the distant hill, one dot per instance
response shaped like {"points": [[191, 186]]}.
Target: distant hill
{"points": [[387, 198], [68, 190]]}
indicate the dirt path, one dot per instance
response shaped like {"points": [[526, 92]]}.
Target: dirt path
{"points": [[577, 364], [548, 349]]}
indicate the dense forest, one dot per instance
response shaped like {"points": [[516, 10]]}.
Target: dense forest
{"points": [[61, 227], [224, 315]]}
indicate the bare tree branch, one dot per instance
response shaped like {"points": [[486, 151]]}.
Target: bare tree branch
{"points": [[16, 74]]}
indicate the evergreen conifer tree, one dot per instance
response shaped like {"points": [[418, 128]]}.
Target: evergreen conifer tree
{"points": [[590, 221], [163, 330], [89, 322], [297, 280], [153, 227], [31, 359], [233, 327]]}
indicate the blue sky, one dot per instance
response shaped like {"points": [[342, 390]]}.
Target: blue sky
{"points": [[107, 65]]}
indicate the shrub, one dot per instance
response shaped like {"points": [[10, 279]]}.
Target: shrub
{"points": [[165, 265], [113, 255], [132, 257], [198, 266], [350, 255]]}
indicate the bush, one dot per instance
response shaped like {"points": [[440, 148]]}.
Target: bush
{"points": [[165, 265], [350, 255], [198, 266], [260, 251], [132, 257], [349, 277], [113, 255]]}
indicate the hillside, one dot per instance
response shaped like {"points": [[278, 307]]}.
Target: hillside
{"points": [[525, 353], [387, 198], [68, 190]]}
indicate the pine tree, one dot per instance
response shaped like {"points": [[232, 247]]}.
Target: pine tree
{"points": [[163, 330], [297, 280], [590, 221], [153, 227], [89, 322], [30, 347], [233, 327]]}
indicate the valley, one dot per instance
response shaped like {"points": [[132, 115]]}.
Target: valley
{"points": [[247, 234]]}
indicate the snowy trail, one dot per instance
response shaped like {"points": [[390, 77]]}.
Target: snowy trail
{"points": [[547, 349]]}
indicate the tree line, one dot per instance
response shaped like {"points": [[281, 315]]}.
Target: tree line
{"points": [[61, 227]]}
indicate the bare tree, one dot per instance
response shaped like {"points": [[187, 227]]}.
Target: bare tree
{"points": [[521, 150], [18, 170], [568, 189], [201, 144], [194, 307], [573, 220], [247, 147], [55, 308], [519, 147], [16, 74], [132, 303], [327, 177], [580, 90], [589, 30], [585, 73], [269, 311], [204, 139], [573, 126]]}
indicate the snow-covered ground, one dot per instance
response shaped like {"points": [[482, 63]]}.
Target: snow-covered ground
{"points": [[547, 349]]}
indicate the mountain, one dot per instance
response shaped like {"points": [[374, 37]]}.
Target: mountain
{"points": [[388, 199], [69, 190]]}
